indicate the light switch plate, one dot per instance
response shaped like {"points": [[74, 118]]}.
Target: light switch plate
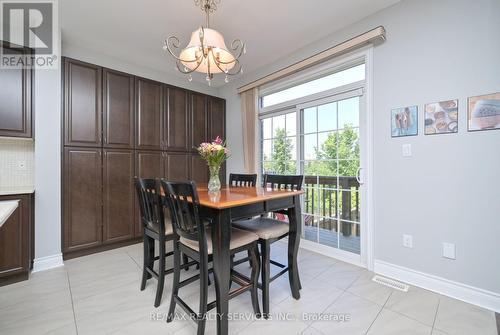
{"points": [[406, 150], [407, 241], [449, 250]]}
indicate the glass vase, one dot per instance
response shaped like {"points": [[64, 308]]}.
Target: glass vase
{"points": [[214, 181]]}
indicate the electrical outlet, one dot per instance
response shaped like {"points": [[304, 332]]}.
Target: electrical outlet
{"points": [[21, 165], [449, 250], [407, 241], [406, 150]]}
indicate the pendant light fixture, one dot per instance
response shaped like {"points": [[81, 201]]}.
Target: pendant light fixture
{"points": [[207, 52]]}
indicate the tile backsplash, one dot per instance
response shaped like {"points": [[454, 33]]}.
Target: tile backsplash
{"points": [[17, 166]]}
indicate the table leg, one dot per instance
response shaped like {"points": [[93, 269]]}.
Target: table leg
{"points": [[221, 236], [293, 247]]}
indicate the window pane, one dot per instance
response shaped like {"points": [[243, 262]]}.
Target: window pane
{"points": [[349, 237], [327, 117], [327, 144], [267, 167], [267, 149], [322, 84], [291, 124], [278, 124], [349, 112], [293, 142], [310, 228], [348, 143], [328, 234], [348, 168], [310, 120], [310, 146], [266, 128]]}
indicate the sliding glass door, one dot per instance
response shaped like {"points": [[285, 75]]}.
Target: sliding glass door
{"points": [[331, 163], [317, 128]]}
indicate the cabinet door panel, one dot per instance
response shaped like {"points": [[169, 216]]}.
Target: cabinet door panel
{"points": [[14, 238], [82, 198], [217, 118], [199, 169], [149, 118], [118, 109], [15, 97], [82, 104], [217, 111], [177, 134], [177, 166], [148, 164], [199, 120], [118, 188]]}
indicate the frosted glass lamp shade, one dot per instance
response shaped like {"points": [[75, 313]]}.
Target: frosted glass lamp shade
{"points": [[212, 40]]}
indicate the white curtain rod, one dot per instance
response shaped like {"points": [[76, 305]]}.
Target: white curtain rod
{"points": [[373, 36]]}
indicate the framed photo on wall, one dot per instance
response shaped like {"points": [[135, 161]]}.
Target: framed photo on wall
{"points": [[404, 121], [484, 112], [441, 117]]}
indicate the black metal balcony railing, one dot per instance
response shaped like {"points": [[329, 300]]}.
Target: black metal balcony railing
{"points": [[332, 198]]}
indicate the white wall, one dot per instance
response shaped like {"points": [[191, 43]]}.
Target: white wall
{"points": [[449, 190], [47, 168]]}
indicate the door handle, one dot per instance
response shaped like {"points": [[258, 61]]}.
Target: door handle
{"points": [[358, 176]]}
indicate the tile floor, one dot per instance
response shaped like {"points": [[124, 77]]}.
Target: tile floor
{"points": [[99, 294]]}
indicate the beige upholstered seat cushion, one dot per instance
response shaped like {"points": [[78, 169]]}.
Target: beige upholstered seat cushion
{"points": [[265, 228], [168, 227], [239, 238]]}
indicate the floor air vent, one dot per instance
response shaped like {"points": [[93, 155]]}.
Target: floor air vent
{"points": [[391, 283]]}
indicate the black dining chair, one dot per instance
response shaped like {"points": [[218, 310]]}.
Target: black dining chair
{"points": [[156, 227], [242, 180], [193, 238], [269, 231]]}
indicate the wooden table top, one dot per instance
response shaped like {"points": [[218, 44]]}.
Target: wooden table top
{"points": [[239, 196]]}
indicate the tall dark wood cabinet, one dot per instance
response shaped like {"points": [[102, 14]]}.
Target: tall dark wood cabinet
{"points": [[16, 109], [176, 166], [177, 119], [199, 119], [149, 124], [118, 109], [118, 195], [82, 104], [217, 125], [16, 238], [82, 198], [116, 127]]}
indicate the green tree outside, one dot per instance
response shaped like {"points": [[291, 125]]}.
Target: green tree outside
{"points": [[281, 157]]}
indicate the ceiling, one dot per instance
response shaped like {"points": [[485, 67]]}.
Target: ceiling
{"points": [[133, 31]]}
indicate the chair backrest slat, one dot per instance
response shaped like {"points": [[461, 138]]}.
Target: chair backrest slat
{"points": [[183, 202], [242, 180], [288, 182], [150, 203]]}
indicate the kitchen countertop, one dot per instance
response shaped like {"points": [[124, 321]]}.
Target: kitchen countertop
{"points": [[7, 207], [16, 191]]}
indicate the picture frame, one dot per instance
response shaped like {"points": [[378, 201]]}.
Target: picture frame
{"points": [[404, 121], [483, 112], [441, 117]]}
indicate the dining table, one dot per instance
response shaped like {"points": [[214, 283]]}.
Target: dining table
{"points": [[233, 203]]}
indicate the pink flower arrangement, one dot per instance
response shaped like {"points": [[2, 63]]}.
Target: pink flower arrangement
{"points": [[215, 152]]}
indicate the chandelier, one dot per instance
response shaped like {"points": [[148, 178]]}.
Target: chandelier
{"points": [[207, 52]]}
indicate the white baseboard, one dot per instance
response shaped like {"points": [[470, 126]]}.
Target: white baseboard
{"points": [[48, 262], [467, 293]]}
